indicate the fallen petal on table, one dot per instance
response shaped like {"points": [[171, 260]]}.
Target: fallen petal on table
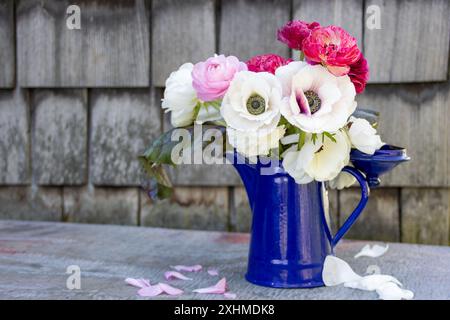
{"points": [[175, 275], [374, 251], [194, 268]]}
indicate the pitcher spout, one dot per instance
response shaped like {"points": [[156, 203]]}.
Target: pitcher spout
{"points": [[382, 161]]}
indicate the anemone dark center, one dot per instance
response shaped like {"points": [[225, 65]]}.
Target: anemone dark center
{"points": [[314, 101], [256, 104]]}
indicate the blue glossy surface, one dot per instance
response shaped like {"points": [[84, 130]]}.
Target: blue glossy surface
{"points": [[290, 236], [382, 161]]}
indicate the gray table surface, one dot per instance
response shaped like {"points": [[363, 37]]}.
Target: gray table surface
{"points": [[34, 257]]}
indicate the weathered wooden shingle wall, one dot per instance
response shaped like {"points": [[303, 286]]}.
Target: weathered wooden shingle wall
{"points": [[76, 106]]}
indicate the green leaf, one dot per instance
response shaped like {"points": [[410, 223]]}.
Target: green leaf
{"points": [[162, 187], [159, 154], [370, 115], [301, 140], [329, 136]]}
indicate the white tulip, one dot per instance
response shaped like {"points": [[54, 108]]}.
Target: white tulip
{"points": [[180, 98], [318, 100], [320, 161], [255, 143], [363, 136], [252, 102]]}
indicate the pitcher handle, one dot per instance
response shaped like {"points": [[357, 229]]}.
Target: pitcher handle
{"points": [[365, 191]]}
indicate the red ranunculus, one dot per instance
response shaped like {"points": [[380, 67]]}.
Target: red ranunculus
{"points": [[359, 74], [332, 47], [294, 32], [266, 63]]}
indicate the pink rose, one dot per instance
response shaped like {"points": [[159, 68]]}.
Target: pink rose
{"points": [[211, 78], [359, 74], [266, 63], [333, 47], [294, 32]]}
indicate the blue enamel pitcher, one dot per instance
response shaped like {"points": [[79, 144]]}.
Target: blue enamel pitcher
{"points": [[290, 234]]}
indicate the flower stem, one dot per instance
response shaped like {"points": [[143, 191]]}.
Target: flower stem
{"points": [[301, 139], [302, 56]]}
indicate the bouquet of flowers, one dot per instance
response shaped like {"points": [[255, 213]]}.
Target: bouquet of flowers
{"points": [[299, 111]]}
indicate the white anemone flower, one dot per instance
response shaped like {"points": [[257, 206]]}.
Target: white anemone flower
{"points": [[257, 143], [252, 102], [342, 181], [180, 97], [319, 101], [320, 160], [363, 136], [285, 74]]}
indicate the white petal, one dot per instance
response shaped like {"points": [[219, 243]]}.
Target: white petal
{"points": [[343, 180], [363, 136], [295, 162], [371, 282], [329, 94], [292, 138], [391, 291], [336, 271], [285, 74], [252, 144], [329, 162], [374, 251]]}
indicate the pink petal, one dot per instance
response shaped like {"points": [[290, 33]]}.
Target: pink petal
{"points": [[175, 275], [194, 268], [229, 295], [213, 272], [151, 291], [169, 289], [302, 103], [139, 283], [220, 287]]}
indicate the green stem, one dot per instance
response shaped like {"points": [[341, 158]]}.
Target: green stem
{"points": [[301, 140], [197, 109], [302, 56]]}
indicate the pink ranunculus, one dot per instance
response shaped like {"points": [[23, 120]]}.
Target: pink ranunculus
{"points": [[294, 32], [211, 78], [333, 47], [266, 63], [359, 74]]}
